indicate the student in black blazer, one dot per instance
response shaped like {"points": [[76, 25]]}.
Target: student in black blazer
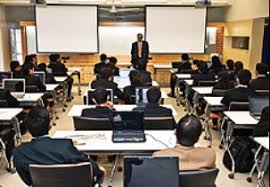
{"points": [[242, 92], [140, 51], [224, 82], [130, 91], [203, 75], [217, 65], [105, 81], [112, 63], [262, 80], [104, 109], [45, 150], [101, 64], [153, 108], [145, 76]]}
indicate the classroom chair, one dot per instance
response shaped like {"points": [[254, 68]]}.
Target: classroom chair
{"points": [[262, 92], [97, 124], [205, 178], [159, 123], [239, 106], [257, 104], [68, 175], [207, 83], [219, 92]]}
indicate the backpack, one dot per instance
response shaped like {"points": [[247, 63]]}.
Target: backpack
{"points": [[241, 150]]}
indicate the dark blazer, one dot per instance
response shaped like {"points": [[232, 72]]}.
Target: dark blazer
{"points": [[145, 77], [50, 79], [130, 92], [155, 110], [106, 84], [239, 94], [8, 99], [33, 81], [217, 69], [203, 77], [47, 151], [98, 112], [185, 67], [221, 86], [263, 126], [98, 67], [58, 69], [135, 51], [260, 83]]}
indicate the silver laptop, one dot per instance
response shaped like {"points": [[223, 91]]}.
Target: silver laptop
{"points": [[41, 75], [90, 96], [124, 72], [15, 86], [122, 82]]}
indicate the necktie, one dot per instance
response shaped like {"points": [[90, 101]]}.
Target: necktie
{"points": [[140, 49]]}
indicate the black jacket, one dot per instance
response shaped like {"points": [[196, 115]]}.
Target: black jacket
{"points": [[145, 77], [135, 52], [18, 75], [50, 79], [203, 77], [32, 81], [47, 151], [261, 83], [98, 112], [222, 86], [155, 110], [58, 69], [98, 67], [8, 99], [236, 95], [106, 84]]}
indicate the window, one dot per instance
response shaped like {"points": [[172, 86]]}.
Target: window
{"points": [[16, 44]]}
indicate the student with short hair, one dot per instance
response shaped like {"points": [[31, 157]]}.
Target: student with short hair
{"points": [[203, 74], [241, 92], [106, 82], [104, 108], [16, 69], [45, 150], [191, 158], [49, 76], [145, 76], [230, 65], [112, 63], [101, 64], [262, 80], [217, 65], [238, 66], [153, 108]]}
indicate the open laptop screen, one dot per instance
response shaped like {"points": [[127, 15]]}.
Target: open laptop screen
{"points": [[149, 171], [90, 96], [124, 72], [14, 85], [41, 76], [128, 121]]}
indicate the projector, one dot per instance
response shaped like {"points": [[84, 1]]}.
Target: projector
{"points": [[203, 3]]}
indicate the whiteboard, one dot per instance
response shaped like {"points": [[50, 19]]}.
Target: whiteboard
{"points": [[71, 29], [117, 40], [176, 29]]}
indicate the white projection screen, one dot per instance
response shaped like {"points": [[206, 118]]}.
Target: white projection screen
{"points": [[176, 29], [67, 29]]}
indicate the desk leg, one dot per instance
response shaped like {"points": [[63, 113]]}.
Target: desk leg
{"points": [[16, 126], [2, 151], [208, 134], [263, 168], [113, 171], [256, 165], [223, 134]]}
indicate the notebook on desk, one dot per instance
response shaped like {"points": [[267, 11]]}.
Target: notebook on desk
{"points": [[128, 127]]}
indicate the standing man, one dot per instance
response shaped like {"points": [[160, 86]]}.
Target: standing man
{"points": [[140, 51]]}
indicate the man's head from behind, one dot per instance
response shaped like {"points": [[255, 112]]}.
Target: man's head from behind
{"points": [[244, 77], [103, 58], [154, 95], [185, 57], [230, 64], [188, 131], [100, 96], [38, 122], [106, 73], [15, 66], [262, 69]]}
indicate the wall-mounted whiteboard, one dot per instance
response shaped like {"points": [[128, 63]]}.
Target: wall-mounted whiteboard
{"points": [[176, 29], [71, 29], [117, 40]]}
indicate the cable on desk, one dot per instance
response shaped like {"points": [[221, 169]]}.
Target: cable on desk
{"points": [[157, 140]]}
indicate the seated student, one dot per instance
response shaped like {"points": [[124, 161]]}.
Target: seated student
{"points": [[238, 66], [59, 69], [262, 80], [224, 82], [203, 75], [184, 67], [153, 109], [101, 64], [105, 81], [45, 150], [229, 72], [195, 67], [104, 108], [263, 127], [27, 60], [112, 63], [188, 132], [230, 65], [145, 76], [217, 65], [241, 92], [16, 69], [130, 91], [35, 61], [49, 76]]}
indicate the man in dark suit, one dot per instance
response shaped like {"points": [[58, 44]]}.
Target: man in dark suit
{"points": [[203, 74], [145, 76], [153, 109], [105, 81], [140, 51], [101, 64], [104, 109], [241, 93], [262, 80], [45, 150]]}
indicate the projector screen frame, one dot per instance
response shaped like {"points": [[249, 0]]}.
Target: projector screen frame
{"points": [[76, 5], [174, 53]]}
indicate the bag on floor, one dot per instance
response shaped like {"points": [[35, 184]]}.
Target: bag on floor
{"points": [[241, 150]]}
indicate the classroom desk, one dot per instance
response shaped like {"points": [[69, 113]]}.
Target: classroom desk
{"points": [[183, 76], [31, 100], [76, 71], [51, 87], [60, 79], [239, 120], [76, 110], [203, 90], [189, 82]]}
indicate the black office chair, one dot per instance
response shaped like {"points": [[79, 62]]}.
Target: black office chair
{"points": [[257, 104], [159, 123], [239, 106], [205, 178], [85, 123], [219, 92], [62, 175], [207, 83]]}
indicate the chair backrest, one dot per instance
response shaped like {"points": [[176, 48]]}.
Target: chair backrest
{"points": [[219, 92], [62, 175], [207, 83], [159, 123], [3, 103], [262, 92], [239, 106], [257, 104], [205, 178], [85, 123]]}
